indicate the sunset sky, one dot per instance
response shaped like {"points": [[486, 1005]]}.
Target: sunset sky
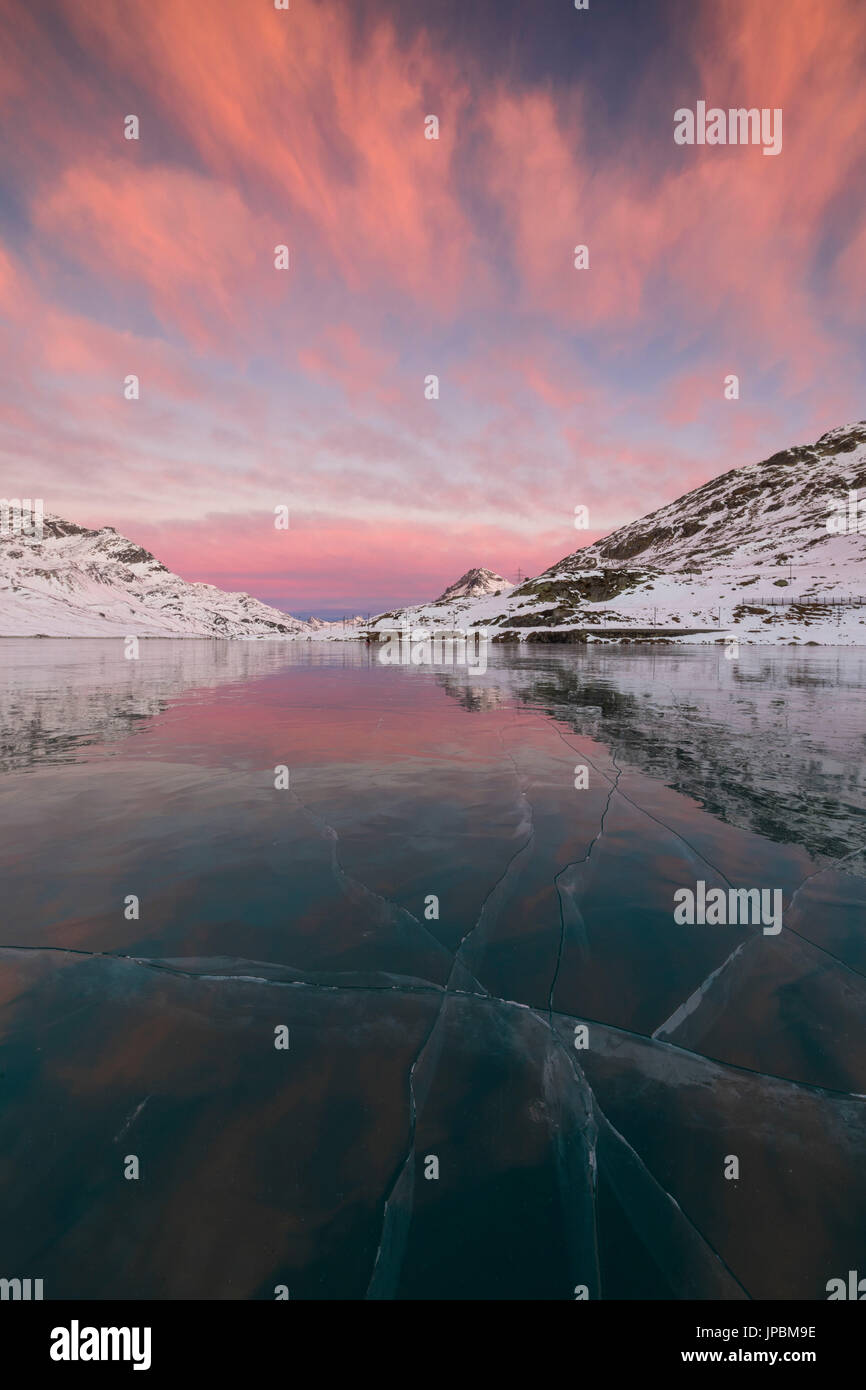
{"points": [[411, 257]]}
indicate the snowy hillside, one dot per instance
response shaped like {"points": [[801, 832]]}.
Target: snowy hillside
{"points": [[748, 553], [80, 583]]}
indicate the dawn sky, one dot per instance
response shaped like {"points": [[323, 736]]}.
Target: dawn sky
{"points": [[409, 257]]}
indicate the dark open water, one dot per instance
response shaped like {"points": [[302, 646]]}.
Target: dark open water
{"points": [[414, 1037]]}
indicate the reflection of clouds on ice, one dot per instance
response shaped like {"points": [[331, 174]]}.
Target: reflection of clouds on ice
{"points": [[57, 697]]}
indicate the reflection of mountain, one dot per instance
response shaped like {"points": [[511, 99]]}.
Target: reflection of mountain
{"points": [[750, 739], [472, 696]]}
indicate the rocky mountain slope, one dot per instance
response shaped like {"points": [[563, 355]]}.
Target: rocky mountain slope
{"points": [[747, 554], [80, 583]]}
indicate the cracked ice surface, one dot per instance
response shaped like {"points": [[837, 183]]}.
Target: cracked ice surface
{"points": [[416, 1035]]}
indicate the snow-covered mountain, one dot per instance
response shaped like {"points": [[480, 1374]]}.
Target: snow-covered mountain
{"points": [[80, 583], [749, 553], [476, 583]]}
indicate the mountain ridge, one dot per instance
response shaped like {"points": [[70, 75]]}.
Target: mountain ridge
{"points": [[747, 554], [80, 582]]}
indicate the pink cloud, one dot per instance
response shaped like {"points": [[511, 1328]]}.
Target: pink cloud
{"points": [[338, 555], [359, 367], [291, 110]]}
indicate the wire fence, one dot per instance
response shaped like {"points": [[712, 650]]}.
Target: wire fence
{"points": [[807, 601]]}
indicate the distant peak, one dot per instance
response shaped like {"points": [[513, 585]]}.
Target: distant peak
{"points": [[475, 583]]}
